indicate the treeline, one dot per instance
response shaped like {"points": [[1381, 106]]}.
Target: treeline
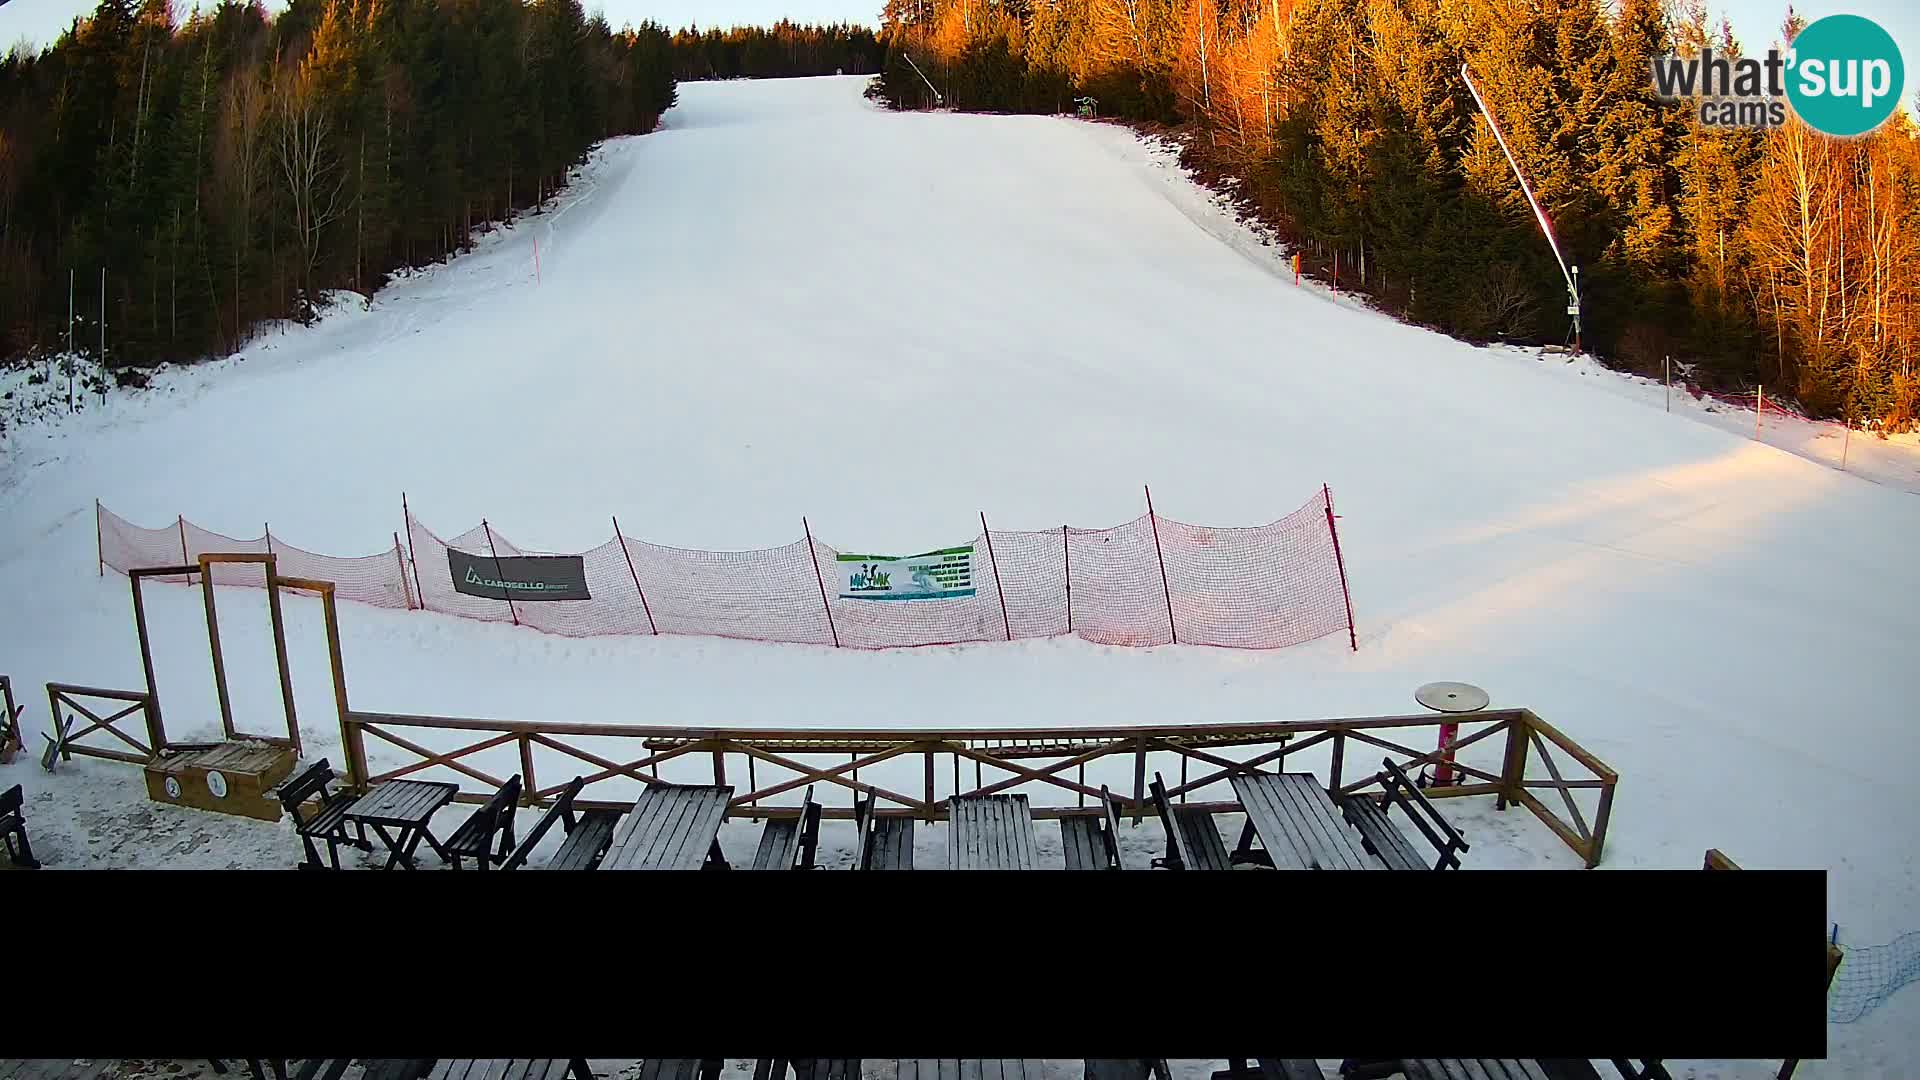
{"points": [[783, 50], [232, 169], [1784, 258]]}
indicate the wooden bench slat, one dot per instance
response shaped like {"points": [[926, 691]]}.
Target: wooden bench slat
{"points": [[1325, 827], [1079, 842], [1279, 833]]}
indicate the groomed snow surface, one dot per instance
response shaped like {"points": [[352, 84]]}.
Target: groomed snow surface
{"points": [[790, 302]]}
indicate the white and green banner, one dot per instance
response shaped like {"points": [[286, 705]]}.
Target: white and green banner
{"points": [[946, 574]]}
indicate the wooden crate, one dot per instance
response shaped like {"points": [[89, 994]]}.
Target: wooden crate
{"points": [[227, 778]]}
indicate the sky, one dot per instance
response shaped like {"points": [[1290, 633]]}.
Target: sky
{"points": [[1755, 22]]}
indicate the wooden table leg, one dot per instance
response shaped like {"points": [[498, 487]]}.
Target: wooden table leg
{"points": [[394, 846], [438, 848]]}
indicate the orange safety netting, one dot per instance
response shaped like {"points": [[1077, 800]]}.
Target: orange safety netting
{"points": [[1150, 581]]}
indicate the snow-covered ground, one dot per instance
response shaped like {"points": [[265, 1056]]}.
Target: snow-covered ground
{"points": [[789, 302]]}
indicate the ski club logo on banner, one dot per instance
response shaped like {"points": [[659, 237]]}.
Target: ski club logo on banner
{"points": [[1842, 75], [946, 574]]}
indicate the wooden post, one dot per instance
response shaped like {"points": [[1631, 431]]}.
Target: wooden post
{"points": [[280, 651], [1139, 777], [814, 558], [1066, 556], [620, 536], [1154, 520], [1846, 442], [1598, 843], [529, 790], [498, 573], [155, 725], [400, 556], [1339, 753], [1512, 767], [1353, 641], [719, 766], [1005, 625], [213, 644], [408, 515], [351, 742]]}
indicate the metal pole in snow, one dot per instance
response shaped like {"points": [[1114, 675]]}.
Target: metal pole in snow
{"points": [[1846, 442], [1667, 374], [1759, 407]]}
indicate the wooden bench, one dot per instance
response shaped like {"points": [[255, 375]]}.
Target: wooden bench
{"points": [[807, 1068], [1582, 1069], [396, 1068], [969, 1069], [680, 1068], [1092, 843], [328, 822], [13, 829], [1128, 1069], [1193, 841], [990, 832], [1444, 1069], [1388, 843], [589, 834], [1272, 1069], [881, 843], [474, 838], [789, 843], [506, 1069]]}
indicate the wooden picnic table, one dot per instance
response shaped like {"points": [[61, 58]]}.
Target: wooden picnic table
{"points": [[1299, 826], [409, 806], [990, 832], [672, 827], [969, 1069]]}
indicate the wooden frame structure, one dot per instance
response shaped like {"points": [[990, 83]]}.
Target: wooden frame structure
{"points": [[1009, 751], [147, 702]]}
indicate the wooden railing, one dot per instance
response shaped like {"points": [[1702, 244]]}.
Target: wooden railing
{"points": [[1052, 760], [69, 695], [11, 738]]}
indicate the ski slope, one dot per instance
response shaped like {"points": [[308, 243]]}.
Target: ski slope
{"points": [[790, 302]]}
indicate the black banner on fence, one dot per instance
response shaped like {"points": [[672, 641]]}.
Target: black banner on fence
{"points": [[519, 577]]}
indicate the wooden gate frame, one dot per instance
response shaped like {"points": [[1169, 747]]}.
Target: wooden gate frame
{"points": [[147, 701]]}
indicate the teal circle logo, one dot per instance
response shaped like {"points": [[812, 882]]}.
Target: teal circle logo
{"points": [[1844, 75]]}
